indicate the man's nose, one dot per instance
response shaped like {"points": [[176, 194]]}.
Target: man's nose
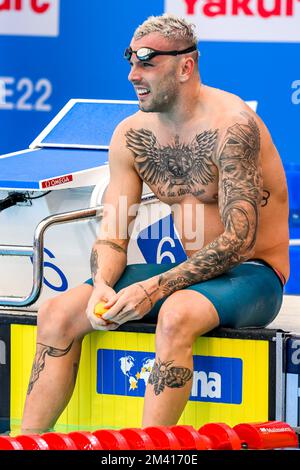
{"points": [[134, 75]]}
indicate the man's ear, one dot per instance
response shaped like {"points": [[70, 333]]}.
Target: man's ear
{"points": [[187, 68]]}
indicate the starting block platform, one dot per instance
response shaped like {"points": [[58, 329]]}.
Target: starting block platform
{"points": [[70, 151]]}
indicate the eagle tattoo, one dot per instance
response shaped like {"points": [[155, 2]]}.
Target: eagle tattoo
{"points": [[164, 375], [174, 165]]}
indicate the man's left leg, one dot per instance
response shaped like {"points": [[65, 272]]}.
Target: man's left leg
{"points": [[183, 317]]}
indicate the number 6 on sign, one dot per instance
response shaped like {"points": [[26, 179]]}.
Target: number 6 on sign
{"points": [[160, 256]]}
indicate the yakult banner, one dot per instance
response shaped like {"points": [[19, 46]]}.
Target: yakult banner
{"points": [[241, 20], [29, 17]]}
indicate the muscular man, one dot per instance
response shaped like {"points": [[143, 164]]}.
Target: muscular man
{"points": [[204, 152]]}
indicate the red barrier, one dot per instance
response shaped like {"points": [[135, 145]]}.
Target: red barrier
{"points": [[85, 441], [221, 436], [32, 442], [190, 439], [59, 441], [9, 443], [163, 438], [111, 440], [137, 439], [267, 435]]}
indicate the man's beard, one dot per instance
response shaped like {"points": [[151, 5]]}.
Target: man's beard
{"points": [[164, 98]]}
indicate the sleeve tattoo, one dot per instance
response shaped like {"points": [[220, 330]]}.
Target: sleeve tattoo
{"points": [[240, 194]]}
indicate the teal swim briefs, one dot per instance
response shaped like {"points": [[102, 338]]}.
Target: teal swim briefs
{"points": [[249, 295]]}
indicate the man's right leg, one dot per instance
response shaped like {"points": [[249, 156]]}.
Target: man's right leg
{"points": [[61, 326]]}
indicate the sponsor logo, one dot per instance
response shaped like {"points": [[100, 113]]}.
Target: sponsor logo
{"points": [[56, 181], [241, 20], [29, 17], [263, 8], [276, 430], [126, 373]]}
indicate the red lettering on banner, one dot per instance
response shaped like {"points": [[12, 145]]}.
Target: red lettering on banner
{"points": [[214, 8], [38, 6], [5, 5], [260, 8], [264, 13], [56, 181], [290, 7], [190, 6], [241, 6]]}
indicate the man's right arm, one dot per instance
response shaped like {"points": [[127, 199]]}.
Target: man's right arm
{"points": [[109, 253]]}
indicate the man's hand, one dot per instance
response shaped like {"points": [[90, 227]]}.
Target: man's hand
{"points": [[130, 303], [101, 293]]}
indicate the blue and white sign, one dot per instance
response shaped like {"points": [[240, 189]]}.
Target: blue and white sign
{"points": [[159, 243], [126, 373]]}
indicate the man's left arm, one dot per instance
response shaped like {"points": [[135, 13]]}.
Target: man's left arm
{"points": [[239, 193]]}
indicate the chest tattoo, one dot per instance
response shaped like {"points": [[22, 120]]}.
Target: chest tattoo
{"points": [[175, 169]]}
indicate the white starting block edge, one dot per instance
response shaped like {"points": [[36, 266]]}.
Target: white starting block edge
{"points": [[40, 140], [45, 169]]}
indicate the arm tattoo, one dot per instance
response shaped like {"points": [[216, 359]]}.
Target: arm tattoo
{"points": [[148, 296], [40, 358], [112, 245], [94, 263], [164, 375], [124, 313], [240, 194], [265, 198]]}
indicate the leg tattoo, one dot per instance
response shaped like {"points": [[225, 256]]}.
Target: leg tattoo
{"points": [[40, 358], [163, 375]]}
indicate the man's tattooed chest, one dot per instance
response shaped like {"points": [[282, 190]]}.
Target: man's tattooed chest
{"points": [[177, 169]]}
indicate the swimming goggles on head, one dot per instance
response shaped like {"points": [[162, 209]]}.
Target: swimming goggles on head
{"points": [[147, 53]]}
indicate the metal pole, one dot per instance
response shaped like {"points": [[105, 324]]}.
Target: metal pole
{"points": [[37, 250]]}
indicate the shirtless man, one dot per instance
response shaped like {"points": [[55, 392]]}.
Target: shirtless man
{"points": [[194, 146]]}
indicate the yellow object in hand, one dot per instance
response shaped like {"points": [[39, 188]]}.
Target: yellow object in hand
{"points": [[100, 310]]}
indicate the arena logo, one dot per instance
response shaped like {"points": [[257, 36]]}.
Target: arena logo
{"points": [[29, 17], [126, 373], [241, 20]]}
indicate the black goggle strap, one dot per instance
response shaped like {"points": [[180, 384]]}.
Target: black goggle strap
{"points": [[152, 53]]}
